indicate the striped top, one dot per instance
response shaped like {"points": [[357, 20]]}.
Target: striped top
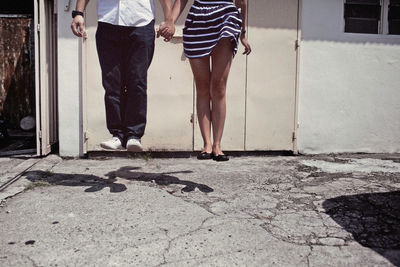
{"points": [[209, 21]]}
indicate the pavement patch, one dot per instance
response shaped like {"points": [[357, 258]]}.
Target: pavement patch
{"points": [[364, 165]]}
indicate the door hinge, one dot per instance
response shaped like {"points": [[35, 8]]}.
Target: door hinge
{"points": [[294, 136], [40, 135], [85, 136], [296, 44], [38, 27]]}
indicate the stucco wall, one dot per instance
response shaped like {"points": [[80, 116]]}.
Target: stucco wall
{"points": [[349, 85]]}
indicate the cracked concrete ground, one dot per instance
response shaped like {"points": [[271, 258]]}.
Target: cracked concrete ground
{"points": [[327, 210]]}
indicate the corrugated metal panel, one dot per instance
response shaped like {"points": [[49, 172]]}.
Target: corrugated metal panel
{"points": [[16, 69]]}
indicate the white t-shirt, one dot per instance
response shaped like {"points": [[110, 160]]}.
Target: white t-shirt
{"points": [[126, 12]]}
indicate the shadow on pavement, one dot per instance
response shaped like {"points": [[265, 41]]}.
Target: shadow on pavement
{"points": [[95, 183], [163, 178], [373, 220]]}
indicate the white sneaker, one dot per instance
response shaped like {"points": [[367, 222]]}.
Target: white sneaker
{"points": [[134, 145], [114, 144]]}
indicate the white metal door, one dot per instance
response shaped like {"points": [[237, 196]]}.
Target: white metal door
{"points": [[261, 92], [45, 75]]}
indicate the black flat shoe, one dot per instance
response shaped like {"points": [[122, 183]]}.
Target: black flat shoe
{"points": [[221, 158], [204, 155]]}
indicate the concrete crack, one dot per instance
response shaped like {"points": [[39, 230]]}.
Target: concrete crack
{"points": [[309, 255], [171, 240]]}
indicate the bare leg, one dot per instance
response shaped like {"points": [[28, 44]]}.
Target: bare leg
{"points": [[202, 74], [221, 63]]}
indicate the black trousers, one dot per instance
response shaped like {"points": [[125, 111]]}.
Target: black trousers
{"points": [[125, 54]]}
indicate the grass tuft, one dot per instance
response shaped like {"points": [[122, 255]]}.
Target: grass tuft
{"points": [[37, 184]]}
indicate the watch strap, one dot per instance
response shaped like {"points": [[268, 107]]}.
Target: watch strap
{"points": [[76, 13]]}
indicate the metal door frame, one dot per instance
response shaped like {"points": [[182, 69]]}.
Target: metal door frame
{"points": [[45, 76]]}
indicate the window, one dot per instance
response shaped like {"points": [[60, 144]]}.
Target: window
{"points": [[362, 16], [16, 7], [372, 16], [394, 17]]}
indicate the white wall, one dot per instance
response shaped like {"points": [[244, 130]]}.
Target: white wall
{"points": [[69, 95], [349, 88]]}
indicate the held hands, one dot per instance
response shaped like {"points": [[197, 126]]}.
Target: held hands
{"points": [[166, 30], [78, 26], [245, 43]]}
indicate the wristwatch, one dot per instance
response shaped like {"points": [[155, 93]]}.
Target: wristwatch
{"points": [[76, 13]]}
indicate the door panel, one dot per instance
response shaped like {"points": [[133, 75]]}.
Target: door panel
{"points": [[271, 91], [170, 99], [170, 94]]}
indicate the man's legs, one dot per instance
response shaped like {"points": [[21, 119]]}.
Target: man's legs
{"points": [[140, 50], [109, 49]]}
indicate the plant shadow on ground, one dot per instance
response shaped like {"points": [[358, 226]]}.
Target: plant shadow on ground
{"points": [[163, 178], [373, 219], [96, 183]]}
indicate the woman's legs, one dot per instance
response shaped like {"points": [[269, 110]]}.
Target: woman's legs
{"points": [[211, 87], [221, 63], [202, 74]]}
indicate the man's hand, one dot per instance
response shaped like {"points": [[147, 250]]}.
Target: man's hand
{"points": [[166, 30], [167, 27], [78, 26]]}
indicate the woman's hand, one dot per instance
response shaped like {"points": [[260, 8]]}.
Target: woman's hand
{"points": [[245, 43], [166, 30]]}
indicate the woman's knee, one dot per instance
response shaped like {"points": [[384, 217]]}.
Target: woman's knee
{"points": [[218, 88]]}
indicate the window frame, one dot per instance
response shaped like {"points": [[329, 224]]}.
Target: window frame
{"points": [[388, 9], [385, 17], [383, 26]]}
